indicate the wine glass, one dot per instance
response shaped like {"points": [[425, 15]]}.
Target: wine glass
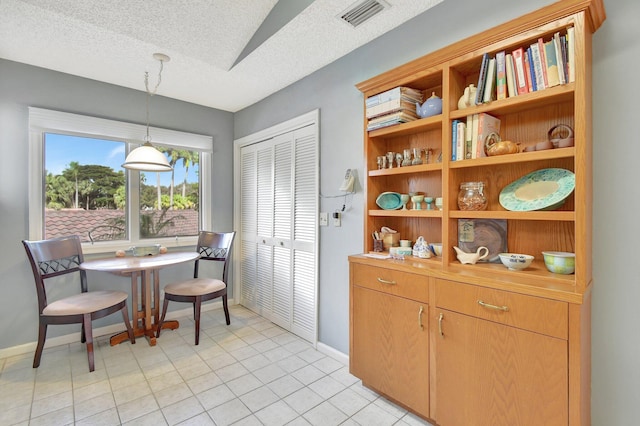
{"points": [[428, 200], [439, 203], [404, 199], [417, 201]]}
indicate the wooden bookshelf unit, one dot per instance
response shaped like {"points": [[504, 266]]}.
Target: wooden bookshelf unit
{"points": [[462, 344]]}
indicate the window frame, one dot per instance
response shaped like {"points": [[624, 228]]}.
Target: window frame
{"points": [[43, 121]]}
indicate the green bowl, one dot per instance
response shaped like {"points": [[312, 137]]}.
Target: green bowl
{"points": [[560, 262]]}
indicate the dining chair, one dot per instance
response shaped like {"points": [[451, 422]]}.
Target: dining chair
{"points": [[60, 256], [214, 246]]}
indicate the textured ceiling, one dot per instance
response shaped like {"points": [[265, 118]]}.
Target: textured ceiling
{"points": [[113, 41]]}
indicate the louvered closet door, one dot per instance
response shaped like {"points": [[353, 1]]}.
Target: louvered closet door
{"points": [[249, 226], [305, 212], [264, 247], [281, 210]]}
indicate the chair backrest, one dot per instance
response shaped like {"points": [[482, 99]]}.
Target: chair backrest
{"points": [[54, 257], [215, 246]]}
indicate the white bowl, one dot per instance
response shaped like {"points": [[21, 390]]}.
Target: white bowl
{"points": [[515, 261], [437, 248], [560, 262]]}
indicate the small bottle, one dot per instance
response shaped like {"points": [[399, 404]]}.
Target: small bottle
{"points": [[471, 196]]}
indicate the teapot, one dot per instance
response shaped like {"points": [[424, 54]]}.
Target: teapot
{"points": [[493, 145], [468, 98], [432, 106], [471, 258]]}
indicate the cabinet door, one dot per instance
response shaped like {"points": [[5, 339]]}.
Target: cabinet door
{"points": [[390, 351], [492, 374]]}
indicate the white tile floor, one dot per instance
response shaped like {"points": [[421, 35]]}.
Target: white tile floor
{"points": [[249, 373]]}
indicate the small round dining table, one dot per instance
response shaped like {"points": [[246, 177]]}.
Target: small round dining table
{"points": [[145, 288]]}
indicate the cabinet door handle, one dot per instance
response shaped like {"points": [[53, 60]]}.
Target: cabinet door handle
{"points": [[440, 318], [380, 280], [420, 318], [490, 306]]}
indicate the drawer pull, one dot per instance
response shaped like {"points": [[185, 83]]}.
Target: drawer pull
{"points": [[420, 318], [490, 306], [440, 318], [380, 280]]}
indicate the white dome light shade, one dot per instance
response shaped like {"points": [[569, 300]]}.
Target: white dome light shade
{"points": [[147, 158]]}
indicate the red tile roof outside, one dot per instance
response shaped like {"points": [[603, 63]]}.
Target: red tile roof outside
{"points": [[79, 222]]}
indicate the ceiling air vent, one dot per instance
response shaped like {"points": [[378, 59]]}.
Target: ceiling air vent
{"points": [[361, 12]]}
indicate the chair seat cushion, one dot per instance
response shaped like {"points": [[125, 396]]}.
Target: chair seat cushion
{"points": [[195, 287], [85, 303]]}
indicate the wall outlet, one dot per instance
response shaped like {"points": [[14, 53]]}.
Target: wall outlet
{"points": [[337, 216], [324, 219]]}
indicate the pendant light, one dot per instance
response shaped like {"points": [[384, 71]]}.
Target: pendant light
{"points": [[146, 157]]}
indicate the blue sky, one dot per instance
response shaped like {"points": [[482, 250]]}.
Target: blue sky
{"points": [[60, 150]]}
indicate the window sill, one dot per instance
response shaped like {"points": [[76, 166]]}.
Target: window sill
{"points": [[109, 247]]}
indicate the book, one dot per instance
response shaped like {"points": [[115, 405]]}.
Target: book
{"points": [[528, 66], [563, 48], [474, 136], [512, 90], [571, 53], [481, 78], [489, 83], [391, 119], [454, 140], [467, 137], [518, 62], [393, 105], [553, 71], [487, 124], [501, 75], [392, 94], [560, 53], [543, 61], [460, 143], [536, 66]]}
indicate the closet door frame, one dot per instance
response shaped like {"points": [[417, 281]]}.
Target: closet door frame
{"points": [[311, 118]]}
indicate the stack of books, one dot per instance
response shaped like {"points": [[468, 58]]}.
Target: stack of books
{"points": [[467, 138], [543, 64], [394, 106]]}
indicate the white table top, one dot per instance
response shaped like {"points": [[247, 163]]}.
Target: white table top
{"points": [[140, 263]]}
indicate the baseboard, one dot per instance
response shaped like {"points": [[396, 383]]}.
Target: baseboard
{"points": [[333, 353], [98, 332]]}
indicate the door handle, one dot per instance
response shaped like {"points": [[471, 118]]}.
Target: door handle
{"points": [[440, 318], [420, 318]]}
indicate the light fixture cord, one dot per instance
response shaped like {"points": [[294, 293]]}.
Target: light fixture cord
{"points": [[151, 93]]}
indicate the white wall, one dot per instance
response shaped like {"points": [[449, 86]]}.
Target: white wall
{"points": [[616, 59]]}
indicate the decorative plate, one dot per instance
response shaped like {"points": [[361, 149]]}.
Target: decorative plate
{"points": [[544, 189], [389, 201], [489, 233]]}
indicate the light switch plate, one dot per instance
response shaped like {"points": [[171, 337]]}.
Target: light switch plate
{"points": [[324, 219]]}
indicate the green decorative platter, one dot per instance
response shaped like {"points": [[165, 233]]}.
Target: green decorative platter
{"points": [[545, 189]]}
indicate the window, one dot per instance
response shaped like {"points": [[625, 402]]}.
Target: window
{"points": [[79, 187]]}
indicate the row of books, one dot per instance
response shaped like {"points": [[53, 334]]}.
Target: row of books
{"points": [[541, 65], [467, 137], [394, 106]]}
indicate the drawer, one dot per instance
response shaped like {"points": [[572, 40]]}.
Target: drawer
{"points": [[545, 316], [403, 284]]}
